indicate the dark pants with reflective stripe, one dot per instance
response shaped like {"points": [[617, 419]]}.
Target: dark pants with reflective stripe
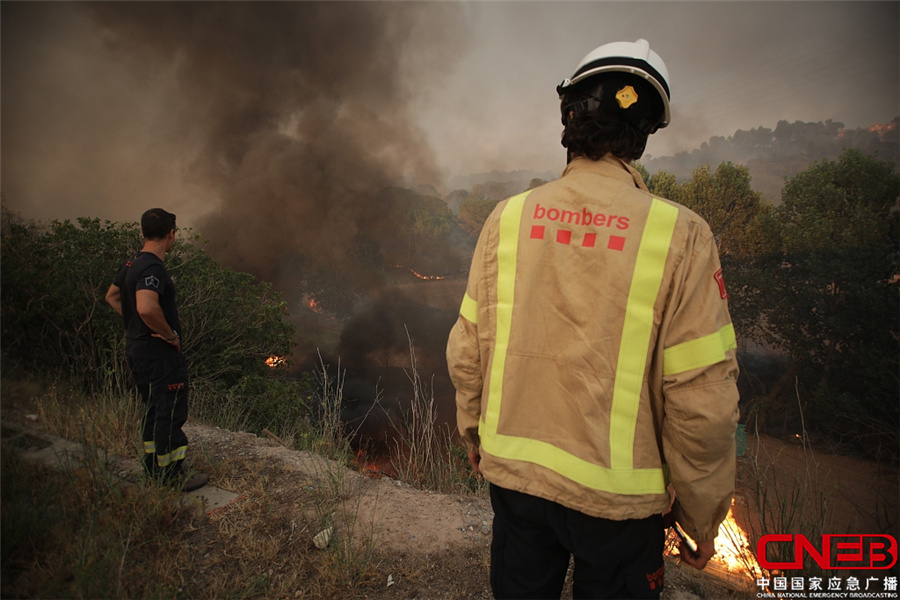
{"points": [[163, 386], [534, 538]]}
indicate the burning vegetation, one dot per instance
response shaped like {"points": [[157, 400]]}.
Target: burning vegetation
{"points": [[374, 466], [420, 275], [734, 564], [315, 307], [273, 362], [733, 550]]}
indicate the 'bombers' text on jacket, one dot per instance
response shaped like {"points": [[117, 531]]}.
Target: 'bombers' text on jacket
{"points": [[594, 356]]}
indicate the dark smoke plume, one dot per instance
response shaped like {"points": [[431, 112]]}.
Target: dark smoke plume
{"points": [[302, 109], [380, 334], [303, 114]]}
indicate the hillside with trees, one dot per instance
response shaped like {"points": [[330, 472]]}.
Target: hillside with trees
{"points": [[56, 324], [814, 295], [813, 284], [813, 280], [771, 155]]}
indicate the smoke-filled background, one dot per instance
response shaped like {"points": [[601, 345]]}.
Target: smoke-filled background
{"points": [[223, 106], [276, 130], [272, 125], [291, 134]]}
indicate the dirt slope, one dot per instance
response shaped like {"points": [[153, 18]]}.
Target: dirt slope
{"points": [[430, 545]]}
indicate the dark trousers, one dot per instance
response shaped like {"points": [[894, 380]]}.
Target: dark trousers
{"points": [[534, 538], [163, 387]]}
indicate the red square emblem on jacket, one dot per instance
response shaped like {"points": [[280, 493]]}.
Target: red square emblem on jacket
{"points": [[616, 242]]}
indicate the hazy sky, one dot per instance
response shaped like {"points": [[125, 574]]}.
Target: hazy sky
{"points": [[106, 113], [732, 65]]}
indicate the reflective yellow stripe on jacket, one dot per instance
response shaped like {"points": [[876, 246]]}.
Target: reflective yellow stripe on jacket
{"points": [[469, 309], [701, 352], [621, 476]]}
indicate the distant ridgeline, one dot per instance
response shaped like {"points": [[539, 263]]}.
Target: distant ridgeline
{"points": [[771, 155], [789, 149], [499, 185]]}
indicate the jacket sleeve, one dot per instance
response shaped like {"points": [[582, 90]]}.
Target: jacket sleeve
{"points": [[464, 359], [700, 390], [465, 371]]}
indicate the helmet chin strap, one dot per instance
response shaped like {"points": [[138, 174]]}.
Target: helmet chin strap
{"points": [[590, 103], [578, 107]]}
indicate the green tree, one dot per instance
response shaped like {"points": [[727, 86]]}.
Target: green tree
{"points": [[663, 184], [831, 293], [424, 234], [737, 218], [473, 212], [231, 321], [724, 199], [54, 280], [430, 222], [55, 319], [642, 170]]}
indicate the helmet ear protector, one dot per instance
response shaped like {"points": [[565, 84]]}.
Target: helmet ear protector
{"points": [[620, 58]]}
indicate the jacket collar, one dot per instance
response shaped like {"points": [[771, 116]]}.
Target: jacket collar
{"points": [[608, 166]]}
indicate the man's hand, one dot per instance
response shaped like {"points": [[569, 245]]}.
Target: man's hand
{"points": [[151, 313], [475, 460], [705, 550], [698, 559], [175, 341]]}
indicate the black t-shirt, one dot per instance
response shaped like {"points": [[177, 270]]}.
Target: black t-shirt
{"points": [[145, 271]]}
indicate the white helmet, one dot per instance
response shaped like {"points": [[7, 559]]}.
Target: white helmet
{"points": [[627, 57]]}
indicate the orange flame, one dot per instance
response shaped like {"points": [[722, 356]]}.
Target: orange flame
{"points": [[734, 558], [733, 550], [372, 466], [419, 275], [274, 361], [316, 308]]}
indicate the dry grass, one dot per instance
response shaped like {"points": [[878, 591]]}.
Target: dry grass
{"points": [[787, 502], [104, 421], [77, 532], [425, 455], [81, 532]]}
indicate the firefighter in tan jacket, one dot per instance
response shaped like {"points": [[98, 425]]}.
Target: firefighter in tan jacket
{"points": [[594, 356]]}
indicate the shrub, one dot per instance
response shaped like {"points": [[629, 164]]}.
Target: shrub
{"points": [[56, 322]]}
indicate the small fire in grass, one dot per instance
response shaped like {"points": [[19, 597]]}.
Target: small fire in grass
{"points": [[419, 275], [734, 559], [733, 548], [314, 306], [275, 361], [374, 467]]}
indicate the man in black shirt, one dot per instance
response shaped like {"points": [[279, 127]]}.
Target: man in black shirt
{"points": [[144, 294]]}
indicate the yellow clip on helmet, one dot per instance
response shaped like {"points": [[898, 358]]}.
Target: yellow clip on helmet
{"points": [[626, 57]]}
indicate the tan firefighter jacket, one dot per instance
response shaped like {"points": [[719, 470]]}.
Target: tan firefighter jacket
{"points": [[594, 356]]}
